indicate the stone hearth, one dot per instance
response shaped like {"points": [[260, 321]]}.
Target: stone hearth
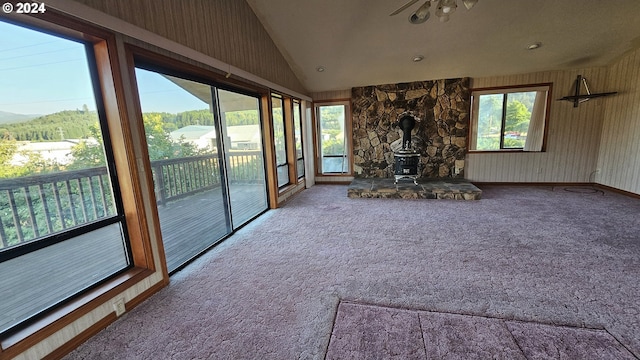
{"points": [[457, 189]]}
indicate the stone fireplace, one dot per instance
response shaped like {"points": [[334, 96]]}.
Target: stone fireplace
{"points": [[439, 136]]}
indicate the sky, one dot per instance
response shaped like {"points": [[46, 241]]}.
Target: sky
{"points": [[43, 74], [157, 94]]}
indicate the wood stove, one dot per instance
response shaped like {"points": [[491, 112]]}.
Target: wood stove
{"points": [[406, 166], [406, 160]]}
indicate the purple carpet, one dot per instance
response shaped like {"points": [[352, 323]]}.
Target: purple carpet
{"points": [[538, 255], [364, 332]]}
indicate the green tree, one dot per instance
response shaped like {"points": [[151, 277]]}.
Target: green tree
{"points": [[33, 164], [159, 142], [490, 115], [88, 154], [517, 117], [333, 146], [8, 148], [68, 124], [243, 117]]}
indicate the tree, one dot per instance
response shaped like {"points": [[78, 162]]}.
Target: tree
{"points": [[517, 117], [8, 148], [490, 115], [159, 142], [67, 124], [242, 117], [88, 154], [33, 164]]}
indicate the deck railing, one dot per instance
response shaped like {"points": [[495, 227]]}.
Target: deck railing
{"points": [[35, 206], [39, 205], [245, 167], [178, 178]]}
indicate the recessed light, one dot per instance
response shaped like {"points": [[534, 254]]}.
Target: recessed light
{"points": [[418, 58], [534, 46], [320, 69]]}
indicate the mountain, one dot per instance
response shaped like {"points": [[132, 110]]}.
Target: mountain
{"points": [[7, 117], [66, 124]]}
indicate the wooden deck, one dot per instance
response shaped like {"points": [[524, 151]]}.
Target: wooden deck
{"points": [[193, 224], [189, 226]]}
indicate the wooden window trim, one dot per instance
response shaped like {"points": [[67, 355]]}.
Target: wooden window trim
{"points": [[547, 115], [299, 179], [285, 122], [196, 72], [348, 137], [219, 79], [269, 149], [289, 134], [23, 337]]}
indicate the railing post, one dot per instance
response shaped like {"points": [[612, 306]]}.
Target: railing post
{"points": [[3, 236], [158, 181]]}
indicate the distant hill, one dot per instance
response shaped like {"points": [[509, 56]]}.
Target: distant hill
{"points": [[78, 124], [68, 124], [7, 117]]}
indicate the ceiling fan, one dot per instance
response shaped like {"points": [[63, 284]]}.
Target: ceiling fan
{"points": [[444, 8]]}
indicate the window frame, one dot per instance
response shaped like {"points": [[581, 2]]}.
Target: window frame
{"points": [[297, 125], [285, 138], [504, 91], [115, 126], [147, 60], [89, 44], [67, 234], [348, 154]]}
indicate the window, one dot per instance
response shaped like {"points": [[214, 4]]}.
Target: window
{"points": [[206, 185], [280, 140], [297, 123], [240, 116], [512, 118], [62, 224], [333, 138]]}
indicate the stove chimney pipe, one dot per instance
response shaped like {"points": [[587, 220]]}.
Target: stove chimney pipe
{"points": [[406, 124]]}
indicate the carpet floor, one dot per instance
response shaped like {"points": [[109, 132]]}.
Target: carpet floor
{"points": [[565, 257], [364, 332]]}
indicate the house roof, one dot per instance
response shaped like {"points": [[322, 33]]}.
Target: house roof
{"points": [[194, 132], [359, 44], [239, 133], [244, 133]]}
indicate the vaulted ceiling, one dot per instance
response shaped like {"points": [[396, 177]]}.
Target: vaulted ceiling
{"points": [[358, 43]]}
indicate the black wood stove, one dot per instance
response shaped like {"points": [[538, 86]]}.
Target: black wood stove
{"points": [[406, 160], [406, 166]]}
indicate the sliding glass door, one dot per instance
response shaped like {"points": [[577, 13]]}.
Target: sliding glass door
{"points": [[205, 149], [240, 119], [184, 153]]}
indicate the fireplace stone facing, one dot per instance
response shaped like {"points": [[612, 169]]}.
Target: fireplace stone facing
{"points": [[440, 133], [452, 189]]}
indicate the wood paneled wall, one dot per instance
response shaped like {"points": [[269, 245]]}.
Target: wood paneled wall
{"points": [[573, 134], [331, 95], [619, 157], [226, 30]]}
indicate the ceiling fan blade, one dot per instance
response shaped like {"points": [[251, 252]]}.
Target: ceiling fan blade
{"points": [[403, 7]]}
